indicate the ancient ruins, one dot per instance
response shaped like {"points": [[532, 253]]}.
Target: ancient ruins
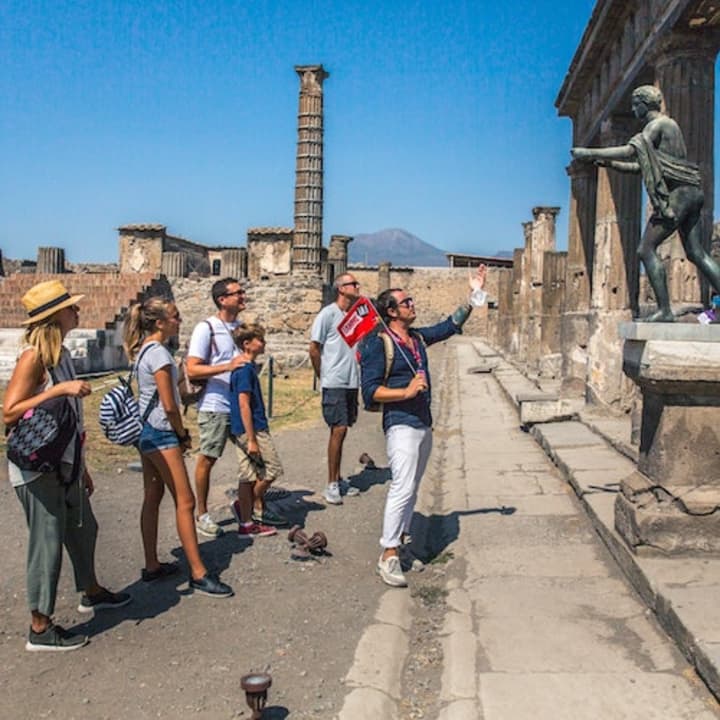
{"points": [[562, 316]]}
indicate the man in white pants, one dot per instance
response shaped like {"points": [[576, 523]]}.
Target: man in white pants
{"points": [[404, 392]]}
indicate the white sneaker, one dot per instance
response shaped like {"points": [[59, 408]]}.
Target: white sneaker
{"points": [[391, 572], [332, 494], [207, 526]]}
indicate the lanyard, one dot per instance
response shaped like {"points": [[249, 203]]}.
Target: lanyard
{"points": [[413, 347]]}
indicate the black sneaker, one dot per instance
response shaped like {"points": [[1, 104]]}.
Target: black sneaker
{"points": [[104, 600], [211, 585], [54, 639], [268, 517]]}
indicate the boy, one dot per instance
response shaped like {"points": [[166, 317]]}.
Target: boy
{"points": [[258, 462]]}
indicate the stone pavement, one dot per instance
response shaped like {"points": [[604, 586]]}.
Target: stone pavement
{"points": [[540, 621]]}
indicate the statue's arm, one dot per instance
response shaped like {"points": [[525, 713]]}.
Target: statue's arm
{"points": [[617, 152], [622, 166]]}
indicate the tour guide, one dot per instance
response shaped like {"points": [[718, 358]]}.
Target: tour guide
{"points": [[404, 392]]}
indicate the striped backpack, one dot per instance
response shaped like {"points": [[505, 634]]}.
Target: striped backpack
{"points": [[120, 418]]}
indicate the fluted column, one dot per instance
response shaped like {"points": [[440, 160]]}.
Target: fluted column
{"points": [[50, 261], [174, 264], [307, 239], [338, 253], [685, 73], [234, 263]]}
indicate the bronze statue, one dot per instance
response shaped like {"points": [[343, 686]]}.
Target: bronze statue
{"points": [[673, 186]]}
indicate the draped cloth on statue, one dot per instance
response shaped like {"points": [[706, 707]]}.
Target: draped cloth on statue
{"points": [[659, 168]]}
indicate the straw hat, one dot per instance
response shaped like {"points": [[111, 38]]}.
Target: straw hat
{"points": [[45, 299]]}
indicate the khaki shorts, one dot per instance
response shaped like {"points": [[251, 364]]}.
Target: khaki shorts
{"points": [[214, 433], [269, 470]]}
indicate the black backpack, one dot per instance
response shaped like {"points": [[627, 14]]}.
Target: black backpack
{"points": [[39, 438]]}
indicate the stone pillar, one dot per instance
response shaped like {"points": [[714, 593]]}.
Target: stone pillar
{"points": [[383, 276], [517, 325], [50, 261], [553, 300], [307, 239], [574, 330], [685, 73], [672, 502], [615, 276], [2, 267], [234, 263], [505, 309], [174, 264], [338, 254], [540, 239]]}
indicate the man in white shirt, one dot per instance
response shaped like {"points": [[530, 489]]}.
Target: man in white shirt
{"points": [[335, 364], [212, 356]]}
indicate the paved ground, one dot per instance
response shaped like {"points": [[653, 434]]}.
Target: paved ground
{"points": [[523, 614]]}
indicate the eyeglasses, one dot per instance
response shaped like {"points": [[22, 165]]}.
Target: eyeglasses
{"points": [[354, 283], [407, 302], [235, 292]]}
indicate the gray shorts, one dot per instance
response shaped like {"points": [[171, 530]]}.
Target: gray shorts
{"points": [[340, 406], [214, 433]]}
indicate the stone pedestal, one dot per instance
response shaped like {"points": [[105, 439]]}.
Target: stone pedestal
{"points": [[672, 502]]}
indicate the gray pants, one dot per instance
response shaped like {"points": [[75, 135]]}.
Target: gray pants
{"points": [[53, 512]]}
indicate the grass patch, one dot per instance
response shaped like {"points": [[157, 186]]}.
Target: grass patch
{"points": [[429, 595], [443, 558], [294, 404]]}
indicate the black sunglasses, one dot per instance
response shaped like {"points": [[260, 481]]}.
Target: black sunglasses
{"points": [[407, 302], [236, 292], [354, 283]]}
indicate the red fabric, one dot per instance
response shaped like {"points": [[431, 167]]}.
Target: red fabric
{"points": [[359, 320]]}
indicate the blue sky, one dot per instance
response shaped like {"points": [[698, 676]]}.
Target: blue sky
{"points": [[439, 118]]}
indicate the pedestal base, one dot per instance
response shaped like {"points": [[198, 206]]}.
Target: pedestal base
{"points": [[670, 520]]}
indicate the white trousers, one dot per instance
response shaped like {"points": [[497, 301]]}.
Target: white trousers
{"points": [[408, 450]]}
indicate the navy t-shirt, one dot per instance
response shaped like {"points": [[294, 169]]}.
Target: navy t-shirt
{"points": [[245, 380]]}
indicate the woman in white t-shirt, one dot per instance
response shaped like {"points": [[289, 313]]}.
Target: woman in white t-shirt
{"points": [[163, 440]]}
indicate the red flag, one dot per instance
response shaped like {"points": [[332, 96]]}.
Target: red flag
{"points": [[360, 319]]}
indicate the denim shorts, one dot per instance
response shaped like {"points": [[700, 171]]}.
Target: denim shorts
{"points": [[152, 439]]}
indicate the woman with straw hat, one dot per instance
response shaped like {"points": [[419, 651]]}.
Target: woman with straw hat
{"points": [[56, 503]]}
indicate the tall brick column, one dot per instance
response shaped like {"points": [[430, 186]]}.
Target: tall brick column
{"points": [[685, 73], [307, 239]]}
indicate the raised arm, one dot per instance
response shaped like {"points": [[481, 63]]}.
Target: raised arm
{"points": [[617, 152]]}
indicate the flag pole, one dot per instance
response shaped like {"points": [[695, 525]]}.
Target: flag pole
{"points": [[391, 335]]}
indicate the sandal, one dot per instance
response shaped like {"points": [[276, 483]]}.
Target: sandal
{"points": [[165, 570]]}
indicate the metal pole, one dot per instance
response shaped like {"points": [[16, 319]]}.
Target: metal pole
{"points": [[271, 362]]}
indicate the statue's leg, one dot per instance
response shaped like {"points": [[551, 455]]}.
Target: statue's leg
{"points": [[655, 233], [691, 236]]}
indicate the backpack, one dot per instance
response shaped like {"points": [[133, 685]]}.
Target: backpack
{"points": [[191, 390], [119, 414], [39, 438]]}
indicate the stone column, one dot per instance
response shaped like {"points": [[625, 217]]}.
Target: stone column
{"points": [[2, 267], [541, 239], [615, 275], [553, 298], [518, 323], [307, 239], [338, 253], [685, 73], [574, 330], [505, 309], [174, 264], [50, 261], [234, 263], [383, 276]]}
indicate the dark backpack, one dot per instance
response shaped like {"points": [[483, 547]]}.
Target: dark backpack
{"points": [[191, 390], [39, 438]]}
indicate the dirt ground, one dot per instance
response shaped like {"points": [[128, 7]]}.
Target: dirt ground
{"points": [[174, 654]]}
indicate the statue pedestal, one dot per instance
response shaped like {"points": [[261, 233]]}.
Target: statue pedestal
{"points": [[672, 502]]}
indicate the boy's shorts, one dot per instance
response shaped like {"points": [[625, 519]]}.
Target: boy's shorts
{"points": [[214, 433], [340, 406], [268, 469]]}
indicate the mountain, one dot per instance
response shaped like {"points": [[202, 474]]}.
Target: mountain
{"points": [[397, 246]]}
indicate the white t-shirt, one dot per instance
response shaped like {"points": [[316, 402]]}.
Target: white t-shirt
{"points": [[153, 358], [338, 367], [216, 397]]}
